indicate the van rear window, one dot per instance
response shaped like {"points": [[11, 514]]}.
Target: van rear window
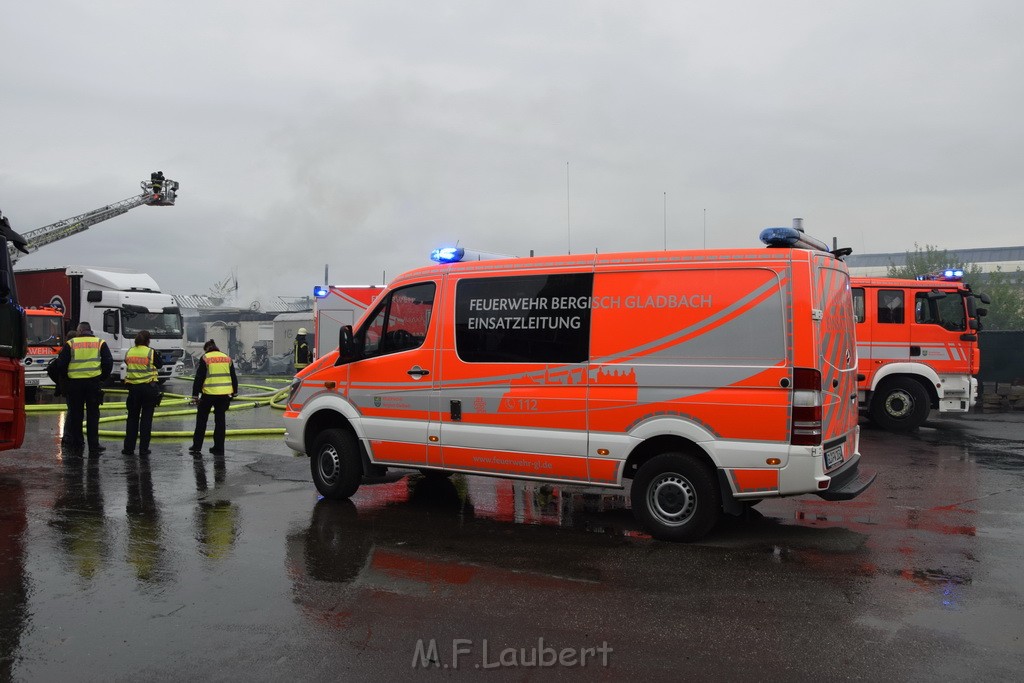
{"points": [[523, 319]]}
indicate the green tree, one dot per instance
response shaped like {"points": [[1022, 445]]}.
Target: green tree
{"points": [[928, 259], [1006, 290], [1006, 312]]}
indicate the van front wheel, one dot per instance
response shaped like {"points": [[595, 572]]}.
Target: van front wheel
{"points": [[675, 497], [334, 464], [900, 404]]}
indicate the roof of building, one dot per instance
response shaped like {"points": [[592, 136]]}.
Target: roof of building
{"points": [[979, 255], [205, 303]]}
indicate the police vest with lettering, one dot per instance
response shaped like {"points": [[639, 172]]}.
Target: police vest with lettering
{"points": [[85, 357], [218, 374], [139, 364]]}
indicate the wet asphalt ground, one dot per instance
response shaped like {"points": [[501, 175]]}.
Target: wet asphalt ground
{"points": [[168, 568]]}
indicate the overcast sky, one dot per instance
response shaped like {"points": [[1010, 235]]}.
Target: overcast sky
{"points": [[364, 134]]}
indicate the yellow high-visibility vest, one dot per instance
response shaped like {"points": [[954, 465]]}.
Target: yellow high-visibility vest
{"points": [[139, 364], [218, 374], [85, 357]]}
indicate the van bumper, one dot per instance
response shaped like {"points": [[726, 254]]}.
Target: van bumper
{"points": [[849, 482]]}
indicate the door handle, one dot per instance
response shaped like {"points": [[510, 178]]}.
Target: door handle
{"points": [[417, 371]]}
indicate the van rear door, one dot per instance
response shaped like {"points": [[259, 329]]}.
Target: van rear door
{"points": [[837, 351]]}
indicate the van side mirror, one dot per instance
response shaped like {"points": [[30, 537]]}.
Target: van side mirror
{"points": [[982, 312], [985, 299], [346, 345]]}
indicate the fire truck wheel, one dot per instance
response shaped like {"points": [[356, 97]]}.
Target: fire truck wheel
{"points": [[334, 464], [900, 404], [675, 497]]}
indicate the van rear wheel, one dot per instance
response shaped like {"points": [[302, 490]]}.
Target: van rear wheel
{"points": [[900, 404], [335, 465], [675, 497]]}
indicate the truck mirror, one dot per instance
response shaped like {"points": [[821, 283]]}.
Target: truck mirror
{"points": [[982, 312], [346, 344], [985, 299]]}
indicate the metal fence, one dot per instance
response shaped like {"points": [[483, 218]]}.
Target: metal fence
{"points": [[1002, 357]]}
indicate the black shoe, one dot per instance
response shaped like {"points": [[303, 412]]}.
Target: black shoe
{"points": [[125, 451], [73, 445], [195, 451], [217, 451], [144, 451], [99, 448]]}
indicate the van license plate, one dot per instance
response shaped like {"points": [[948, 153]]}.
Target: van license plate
{"points": [[833, 458], [31, 382]]}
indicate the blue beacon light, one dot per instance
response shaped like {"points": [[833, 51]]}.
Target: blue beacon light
{"points": [[780, 237], [448, 254], [319, 291]]}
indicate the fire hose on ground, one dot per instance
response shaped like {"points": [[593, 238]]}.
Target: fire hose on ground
{"points": [[271, 396]]}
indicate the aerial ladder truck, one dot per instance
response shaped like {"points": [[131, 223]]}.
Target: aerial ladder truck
{"points": [[157, 191], [113, 301]]}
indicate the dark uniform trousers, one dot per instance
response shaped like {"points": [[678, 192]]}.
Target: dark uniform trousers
{"points": [[141, 402], [219, 404], [84, 397]]}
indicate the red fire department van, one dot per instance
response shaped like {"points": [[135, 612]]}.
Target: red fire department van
{"points": [[704, 381], [917, 343]]}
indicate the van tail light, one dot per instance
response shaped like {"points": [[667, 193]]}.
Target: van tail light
{"points": [[806, 407]]}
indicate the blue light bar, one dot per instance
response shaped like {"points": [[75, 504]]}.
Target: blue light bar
{"points": [[780, 237], [448, 254], [791, 237], [320, 291], [950, 274]]}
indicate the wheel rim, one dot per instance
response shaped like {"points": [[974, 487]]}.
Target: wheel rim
{"points": [[899, 404], [671, 499], [329, 465]]}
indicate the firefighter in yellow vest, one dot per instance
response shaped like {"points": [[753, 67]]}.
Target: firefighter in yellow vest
{"points": [[301, 354], [213, 388], [85, 362], [141, 366]]}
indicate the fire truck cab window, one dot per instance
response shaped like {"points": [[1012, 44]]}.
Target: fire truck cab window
{"points": [[858, 304], [400, 322], [890, 306], [524, 319], [947, 312]]}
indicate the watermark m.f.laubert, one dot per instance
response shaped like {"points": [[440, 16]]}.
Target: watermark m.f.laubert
{"points": [[466, 653]]}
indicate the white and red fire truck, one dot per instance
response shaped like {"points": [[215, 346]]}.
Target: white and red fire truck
{"points": [[917, 344]]}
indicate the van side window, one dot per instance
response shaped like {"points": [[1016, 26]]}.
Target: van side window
{"points": [[858, 304], [890, 306], [524, 319], [400, 322]]}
